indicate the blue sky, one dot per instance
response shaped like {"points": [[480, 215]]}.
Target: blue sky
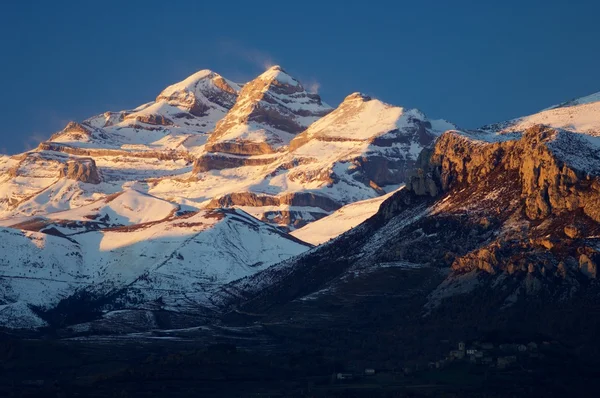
{"points": [[471, 62]]}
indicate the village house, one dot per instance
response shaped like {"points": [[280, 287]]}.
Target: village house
{"points": [[502, 355], [504, 362], [344, 376]]}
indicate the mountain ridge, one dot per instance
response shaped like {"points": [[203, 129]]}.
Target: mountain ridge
{"points": [[160, 212]]}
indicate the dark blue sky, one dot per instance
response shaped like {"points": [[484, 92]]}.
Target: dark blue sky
{"points": [[471, 62]]}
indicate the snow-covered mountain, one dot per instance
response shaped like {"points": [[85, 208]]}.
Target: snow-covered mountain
{"points": [[179, 119], [496, 230], [133, 246], [269, 147], [129, 209], [162, 209], [359, 151]]}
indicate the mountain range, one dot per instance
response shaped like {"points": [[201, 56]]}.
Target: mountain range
{"points": [[222, 203]]}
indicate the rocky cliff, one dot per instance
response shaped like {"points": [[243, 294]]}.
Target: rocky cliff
{"points": [[81, 169], [553, 195]]}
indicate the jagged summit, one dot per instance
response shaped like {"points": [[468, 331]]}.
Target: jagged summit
{"points": [[357, 96], [278, 74], [270, 110], [201, 91], [200, 83]]}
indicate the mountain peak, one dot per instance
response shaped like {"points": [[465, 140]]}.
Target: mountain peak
{"points": [[277, 73], [272, 109], [193, 83], [357, 96], [200, 92]]}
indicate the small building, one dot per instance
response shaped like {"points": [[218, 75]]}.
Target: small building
{"points": [[479, 354], [471, 351], [522, 348], [344, 376], [461, 346], [369, 371], [487, 360]]}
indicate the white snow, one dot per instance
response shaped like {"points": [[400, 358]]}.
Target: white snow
{"points": [[190, 254], [340, 221], [579, 115], [125, 208]]}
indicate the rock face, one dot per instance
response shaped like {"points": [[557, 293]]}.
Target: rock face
{"points": [[268, 113], [81, 169], [201, 92], [217, 161], [155, 120], [557, 194], [304, 199], [550, 183]]}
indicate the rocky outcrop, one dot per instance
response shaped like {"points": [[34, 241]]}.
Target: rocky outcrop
{"points": [[151, 119], [215, 161], [161, 155], [290, 219], [303, 199], [81, 169], [549, 184], [572, 231], [76, 131], [587, 266], [240, 148], [424, 178]]}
